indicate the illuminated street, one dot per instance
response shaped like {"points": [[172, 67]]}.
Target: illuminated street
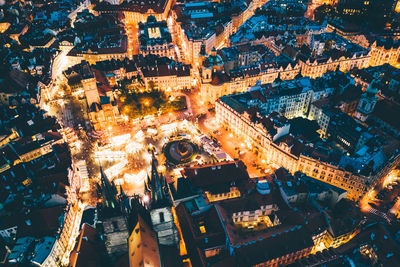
{"points": [[199, 133]]}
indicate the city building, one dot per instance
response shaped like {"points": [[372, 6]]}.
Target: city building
{"points": [[373, 244], [384, 52], [135, 11], [367, 103], [218, 181], [155, 38], [102, 106], [329, 52], [215, 82], [299, 188], [203, 234], [200, 24], [272, 139], [113, 224], [268, 25], [312, 5], [168, 77], [312, 214], [107, 41]]}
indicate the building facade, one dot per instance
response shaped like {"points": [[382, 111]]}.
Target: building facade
{"points": [[383, 52], [263, 144]]}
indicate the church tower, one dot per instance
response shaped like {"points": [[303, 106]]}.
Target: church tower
{"points": [[202, 54], [89, 85], [112, 226], [367, 103], [107, 192], [160, 207]]}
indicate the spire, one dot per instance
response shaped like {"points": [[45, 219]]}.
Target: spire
{"points": [[163, 180], [154, 164], [157, 185], [122, 198], [146, 186], [108, 190], [122, 192]]}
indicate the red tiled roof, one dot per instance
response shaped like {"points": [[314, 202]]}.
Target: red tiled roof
{"points": [[85, 253]]}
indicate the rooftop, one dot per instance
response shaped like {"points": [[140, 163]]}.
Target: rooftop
{"points": [[153, 32], [217, 177]]}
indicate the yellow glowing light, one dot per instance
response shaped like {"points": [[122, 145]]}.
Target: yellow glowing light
{"points": [[120, 139], [133, 147], [118, 181], [116, 169], [109, 154], [146, 198], [161, 168]]}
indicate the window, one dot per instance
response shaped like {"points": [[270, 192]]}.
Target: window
{"points": [[161, 217], [115, 225]]}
